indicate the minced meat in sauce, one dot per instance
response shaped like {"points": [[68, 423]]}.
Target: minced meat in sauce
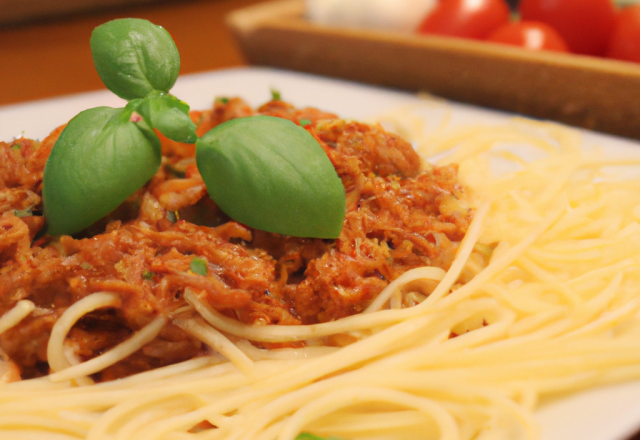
{"points": [[398, 217]]}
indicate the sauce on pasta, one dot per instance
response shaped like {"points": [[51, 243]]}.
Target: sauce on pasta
{"points": [[170, 238], [538, 299]]}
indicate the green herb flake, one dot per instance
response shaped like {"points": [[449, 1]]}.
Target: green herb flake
{"points": [[148, 275], [23, 212], [16, 147], [198, 266], [222, 100], [172, 216], [86, 266], [181, 174], [275, 95], [305, 122], [308, 436]]}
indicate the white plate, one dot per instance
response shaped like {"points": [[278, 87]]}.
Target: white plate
{"points": [[611, 413]]}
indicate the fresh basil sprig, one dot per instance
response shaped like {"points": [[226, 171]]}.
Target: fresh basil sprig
{"points": [[265, 172]]}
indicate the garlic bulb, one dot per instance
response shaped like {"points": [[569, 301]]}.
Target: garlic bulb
{"points": [[391, 15]]}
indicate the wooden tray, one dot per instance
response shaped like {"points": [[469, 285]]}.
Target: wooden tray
{"points": [[583, 91]]}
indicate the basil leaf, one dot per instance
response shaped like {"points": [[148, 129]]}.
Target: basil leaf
{"points": [[99, 160], [271, 174], [134, 57], [169, 115]]}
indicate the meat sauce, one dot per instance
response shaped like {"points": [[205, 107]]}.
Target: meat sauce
{"points": [[399, 216]]}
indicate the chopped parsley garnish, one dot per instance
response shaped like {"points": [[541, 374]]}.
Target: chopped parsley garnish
{"points": [[148, 275], [308, 436], [275, 95], [175, 172], [198, 266], [23, 212], [304, 122], [172, 216]]}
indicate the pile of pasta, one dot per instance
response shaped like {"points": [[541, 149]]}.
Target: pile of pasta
{"points": [[464, 354]]}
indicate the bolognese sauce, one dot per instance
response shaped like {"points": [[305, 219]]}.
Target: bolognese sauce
{"points": [[399, 216]]}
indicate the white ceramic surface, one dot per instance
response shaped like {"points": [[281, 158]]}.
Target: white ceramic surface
{"points": [[611, 413]]}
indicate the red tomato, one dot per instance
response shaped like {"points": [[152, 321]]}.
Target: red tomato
{"points": [[625, 39], [465, 18], [585, 25], [530, 35]]}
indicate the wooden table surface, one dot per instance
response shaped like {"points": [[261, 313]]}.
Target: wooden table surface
{"points": [[52, 57]]}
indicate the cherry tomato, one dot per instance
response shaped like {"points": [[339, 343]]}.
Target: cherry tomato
{"points": [[465, 18], [529, 35], [625, 38], [585, 25]]}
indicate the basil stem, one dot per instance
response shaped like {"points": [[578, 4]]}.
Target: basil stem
{"points": [[135, 57], [271, 174], [99, 160]]}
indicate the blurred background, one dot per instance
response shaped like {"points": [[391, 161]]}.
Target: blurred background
{"points": [[45, 52], [44, 44]]}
